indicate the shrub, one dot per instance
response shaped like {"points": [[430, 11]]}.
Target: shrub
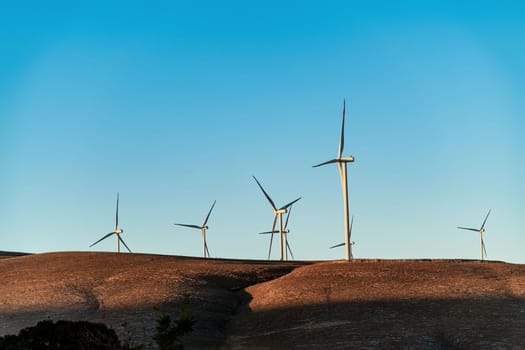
{"points": [[64, 335], [168, 334]]}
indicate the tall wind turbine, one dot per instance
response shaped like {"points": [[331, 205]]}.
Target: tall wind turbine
{"points": [[480, 230], [117, 232], [203, 228], [277, 213], [349, 236], [341, 164], [285, 232]]}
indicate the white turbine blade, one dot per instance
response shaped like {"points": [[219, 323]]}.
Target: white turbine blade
{"points": [[265, 194], [116, 213], [483, 246], [290, 250], [270, 249], [287, 217], [206, 246], [337, 245], [208, 216], [350, 229], [268, 232], [103, 238], [342, 140], [485, 221], [289, 204], [125, 245], [272, 233], [468, 228], [327, 162], [192, 226]]}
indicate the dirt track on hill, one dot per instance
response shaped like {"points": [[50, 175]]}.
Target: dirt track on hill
{"points": [[364, 304]]}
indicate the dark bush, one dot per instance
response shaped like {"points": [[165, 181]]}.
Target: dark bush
{"points": [[63, 335], [168, 334]]}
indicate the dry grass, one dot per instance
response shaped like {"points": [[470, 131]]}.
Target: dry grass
{"points": [[125, 290], [389, 305], [327, 305]]}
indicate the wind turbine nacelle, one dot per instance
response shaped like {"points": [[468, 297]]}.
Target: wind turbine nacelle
{"points": [[205, 227], [119, 231], [281, 211], [348, 159]]}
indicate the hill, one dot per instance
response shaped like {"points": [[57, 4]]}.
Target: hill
{"points": [[127, 291], [365, 304], [4, 254]]}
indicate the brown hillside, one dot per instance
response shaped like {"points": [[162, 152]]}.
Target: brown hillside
{"points": [[5, 255], [125, 290], [387, 305], [363, 304]]}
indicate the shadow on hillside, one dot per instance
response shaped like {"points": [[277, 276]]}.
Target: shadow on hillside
{"points": [[213, 301], [485, 323]]}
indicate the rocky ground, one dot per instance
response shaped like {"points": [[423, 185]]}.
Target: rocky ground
{"points": [[364, 304]]}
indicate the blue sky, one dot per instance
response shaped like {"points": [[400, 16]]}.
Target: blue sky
{"points": [[178, 104]]}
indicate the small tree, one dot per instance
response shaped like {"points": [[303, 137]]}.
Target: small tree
{"points": [[168, 334]]}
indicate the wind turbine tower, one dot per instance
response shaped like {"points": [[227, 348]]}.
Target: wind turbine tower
{"points": [[117, 232], [350, 236], [341, 164], [285, 231], [482, 250], [277, 213], [203, 228]]}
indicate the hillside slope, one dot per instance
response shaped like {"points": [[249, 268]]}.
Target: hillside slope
{"points": [[364, 304], [387, 305], [127, 291]]}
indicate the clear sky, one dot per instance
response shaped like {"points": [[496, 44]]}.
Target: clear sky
{"points": [[178, 104]]}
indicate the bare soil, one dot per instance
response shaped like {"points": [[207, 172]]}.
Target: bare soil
{"points": [[363, 304]]}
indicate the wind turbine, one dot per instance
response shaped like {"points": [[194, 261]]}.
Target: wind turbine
{"points": [[203, 228], [285, 232], [341, 164], [480, 230], [349, 236], [117, 231], [277, 213]]}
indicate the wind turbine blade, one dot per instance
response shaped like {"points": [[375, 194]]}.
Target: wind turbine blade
{"points": [[103, 238], [208, 216], [272, 232], [327, 162], [290, 250], [468, 228], [287, 217], [268, 232], [270, 249], [483, 246], [192, 226], [337, 245], [350, 229], [342, 140], [274, 221], [266, 194], [125, 245], [289, 204], [116, 213], [206, 247], [485, 221]]}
